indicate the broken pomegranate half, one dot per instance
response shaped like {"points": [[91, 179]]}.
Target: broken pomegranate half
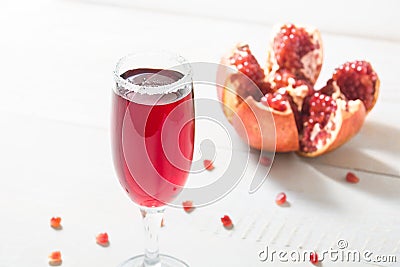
{"points": [[282, 96]]}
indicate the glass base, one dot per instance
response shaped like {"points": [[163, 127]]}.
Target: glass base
{"points": [[166, 261]]}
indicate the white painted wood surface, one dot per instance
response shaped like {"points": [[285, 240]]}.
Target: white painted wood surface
{"points": [[56, 59]]}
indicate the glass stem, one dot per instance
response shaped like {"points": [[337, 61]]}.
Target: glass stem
{"points": [[152, 218]]}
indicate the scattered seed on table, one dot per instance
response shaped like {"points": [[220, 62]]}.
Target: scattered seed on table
{"points": [[280, 198], [208, 164], [55, 222], [188, 206], [55, 258], [352, 178], [227, 222], [102, 239]]}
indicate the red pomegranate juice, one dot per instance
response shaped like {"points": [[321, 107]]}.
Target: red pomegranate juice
{"points": [[152, 137]]}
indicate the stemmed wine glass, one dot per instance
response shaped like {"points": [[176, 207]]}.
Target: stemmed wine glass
{"points": [[152, 132]]}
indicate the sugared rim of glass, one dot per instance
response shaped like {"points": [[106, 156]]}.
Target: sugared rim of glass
{"points": [[177, 63]]}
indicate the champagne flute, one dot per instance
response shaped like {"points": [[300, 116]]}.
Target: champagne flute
{"points": [[152, 132]]}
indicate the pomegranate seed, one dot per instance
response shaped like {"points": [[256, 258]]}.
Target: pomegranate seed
{"points": [[188, 206], [102, 239], [227, 222], [280, 198], [275, 101], [55, 258], [352, 178], [314, 257], [290, 45], [246, 63], [55, 222], [319, 109], [208, 164], [281, 78], [357, 80]]}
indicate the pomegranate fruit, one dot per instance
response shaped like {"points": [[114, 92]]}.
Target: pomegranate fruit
{"points": [[283, 97]]}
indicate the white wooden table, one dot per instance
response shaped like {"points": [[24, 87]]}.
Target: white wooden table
{"points": [[56, 59]]}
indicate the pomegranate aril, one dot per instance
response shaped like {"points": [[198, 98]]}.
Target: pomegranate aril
{"points": [[275, 101], [314, 258], [319, 109], [55, 258], [281, 79], [290, 45], [352, 178], [357, 80], [280, 198], [227, 222], [102, 239], [188, 206], [208, 164], [246, 63], [55, 222], [280, 105]]}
